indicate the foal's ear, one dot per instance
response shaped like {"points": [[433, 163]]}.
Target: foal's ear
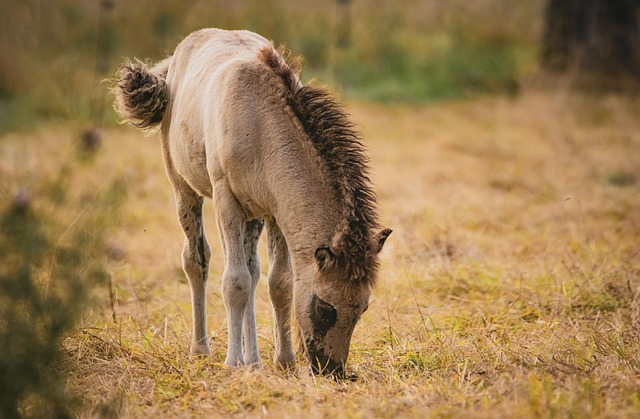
{"points": [[324, 257], [381, 238]]}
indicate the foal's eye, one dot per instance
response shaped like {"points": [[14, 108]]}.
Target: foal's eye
{"points": [[325, 312]]}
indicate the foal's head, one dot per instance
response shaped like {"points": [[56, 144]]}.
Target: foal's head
{"points": [[330, 297]]}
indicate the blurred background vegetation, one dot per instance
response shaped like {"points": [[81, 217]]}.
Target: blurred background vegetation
{"points": [[53, 254], [54, 53]]}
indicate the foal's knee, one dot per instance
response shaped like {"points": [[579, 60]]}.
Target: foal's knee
{"points": [[236, 287]]}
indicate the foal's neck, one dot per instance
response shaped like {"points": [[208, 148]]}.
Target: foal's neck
{"points": [[306, 209]]}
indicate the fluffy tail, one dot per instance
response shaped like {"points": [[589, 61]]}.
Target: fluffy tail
{"points": [[141, 93]]}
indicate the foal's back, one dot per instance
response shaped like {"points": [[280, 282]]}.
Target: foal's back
{"points": [[201, 54]]}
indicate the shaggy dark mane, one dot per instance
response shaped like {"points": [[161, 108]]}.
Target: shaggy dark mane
{"points": [[338, 144]]}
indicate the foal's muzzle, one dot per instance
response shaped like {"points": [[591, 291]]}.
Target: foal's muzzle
{"points": [[322, 364]]}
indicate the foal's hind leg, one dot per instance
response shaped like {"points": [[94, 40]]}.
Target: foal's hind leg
{"points": [[195, 260], [249, 335], [281, 293]]}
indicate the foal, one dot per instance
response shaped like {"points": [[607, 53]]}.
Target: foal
{"points": [[239, 127]]}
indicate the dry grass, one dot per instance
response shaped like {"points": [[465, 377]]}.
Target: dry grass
{"points": [[510, 286]]}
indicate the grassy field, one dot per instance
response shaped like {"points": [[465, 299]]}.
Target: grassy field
{"points": [[509, 288]]}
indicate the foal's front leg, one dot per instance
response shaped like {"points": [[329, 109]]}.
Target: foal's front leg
{"points": [[281, 293], [236, 279]]}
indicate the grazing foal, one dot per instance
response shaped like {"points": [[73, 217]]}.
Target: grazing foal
{"points": [[239, 127]]}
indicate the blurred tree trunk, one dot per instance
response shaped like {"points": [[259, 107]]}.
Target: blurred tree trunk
{"points": [[597, 38]]}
